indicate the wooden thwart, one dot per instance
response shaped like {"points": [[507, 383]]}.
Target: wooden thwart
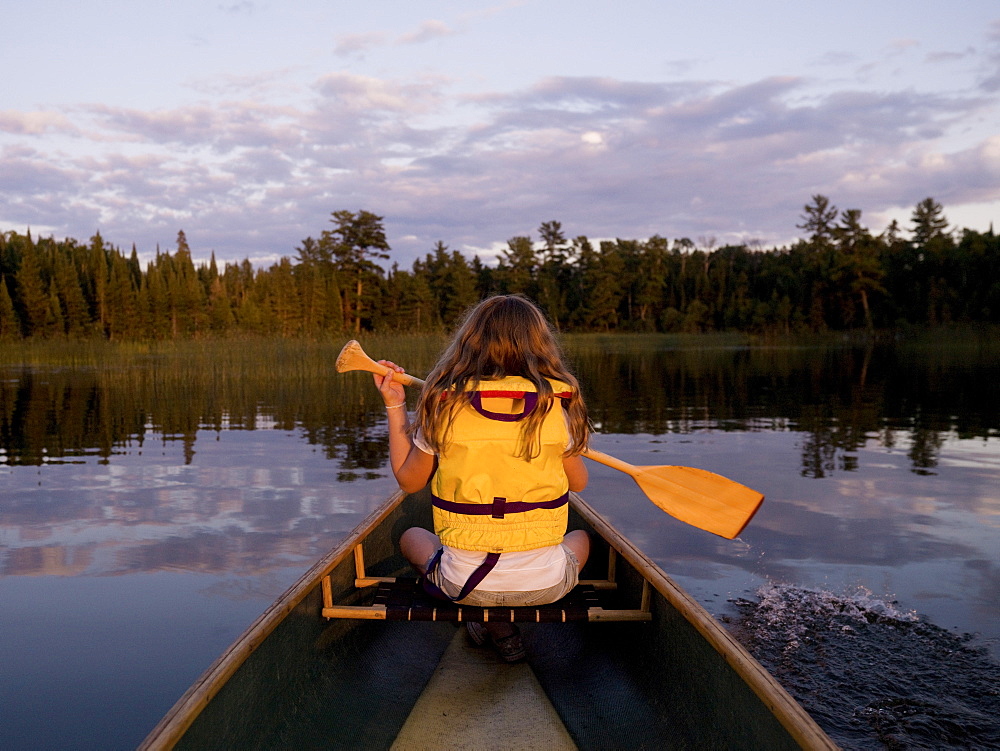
{"points": [[404, 599]]}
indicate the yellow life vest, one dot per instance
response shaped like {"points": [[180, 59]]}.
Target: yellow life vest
{"points": [[488, 499]]}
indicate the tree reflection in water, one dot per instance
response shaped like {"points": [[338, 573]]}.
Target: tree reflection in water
{"points": [[837, 401], [232, 467], [840, 398]]}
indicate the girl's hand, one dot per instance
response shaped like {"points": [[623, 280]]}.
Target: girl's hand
{"points": [[392, 391], [411, 467]]}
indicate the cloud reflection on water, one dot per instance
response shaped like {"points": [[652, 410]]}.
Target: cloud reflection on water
{"points": [[247, 502], [880, 459], [165, 521]]}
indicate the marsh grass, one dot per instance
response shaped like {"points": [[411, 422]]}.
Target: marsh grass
{"points": [[106, 395], [301, 359], [635, 343], [304, 360], [59, 397]]}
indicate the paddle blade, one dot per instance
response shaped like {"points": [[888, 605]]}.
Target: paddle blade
{"points": [[353, 357], [700, 498]]}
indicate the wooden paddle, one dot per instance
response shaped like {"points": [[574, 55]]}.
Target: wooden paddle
{"points": [[698, 497]]}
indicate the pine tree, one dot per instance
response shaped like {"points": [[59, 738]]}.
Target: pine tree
{"points": [[413, 302], [221, 316], [185, 292], [158, 313], [858, 264], [818, 220], [552, 272], [244, 285], [97, 275], [135, 269], [604, 286], [652, 281], [123, 307], [285, 304], [32, 297], [451, 281], [55, 322], [517, 267], [321, 299], [929, 222], [357, 240], [9, 325], [66, 282]]}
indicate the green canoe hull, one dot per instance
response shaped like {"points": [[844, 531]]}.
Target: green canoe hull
{"points": [[297, 680]]}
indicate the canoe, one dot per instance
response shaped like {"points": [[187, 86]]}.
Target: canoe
{"points": [[339, 661]]}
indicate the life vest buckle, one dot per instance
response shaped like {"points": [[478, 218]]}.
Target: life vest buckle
{"points": [[498, 507]]}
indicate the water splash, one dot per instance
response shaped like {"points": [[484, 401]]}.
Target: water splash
{"points": [[873, 675]]}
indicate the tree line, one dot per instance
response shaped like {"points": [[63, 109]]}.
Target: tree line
{"points": [[839, 276]]}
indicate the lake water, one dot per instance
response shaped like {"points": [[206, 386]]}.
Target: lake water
{"points": [[148, 514]]}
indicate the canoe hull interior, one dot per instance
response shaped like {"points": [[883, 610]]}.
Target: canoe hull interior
{"points": [[300, 681]]}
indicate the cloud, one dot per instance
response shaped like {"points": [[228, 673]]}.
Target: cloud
{"points": [[34, 123], [222, 127], [697, 160], [357, 44], [966, 176], [994, 33], [427, 31], [257, 86], [38, 191], [368, 96], [900, 46], [240, 8], [991, 78], [606, 157], [946, 56], [836, 59]]}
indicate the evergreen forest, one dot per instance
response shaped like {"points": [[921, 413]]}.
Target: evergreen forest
{"points": [[839, 276]]}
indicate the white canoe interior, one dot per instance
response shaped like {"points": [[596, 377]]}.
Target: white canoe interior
{"points": [[459, 707]]}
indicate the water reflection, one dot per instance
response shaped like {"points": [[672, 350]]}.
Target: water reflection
{"points": [[156, 507], [195, 485], [63, 416], [841, 399], [246, 504]]}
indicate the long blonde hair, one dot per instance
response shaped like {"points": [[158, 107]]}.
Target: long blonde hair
{"points": [[502, 336]]}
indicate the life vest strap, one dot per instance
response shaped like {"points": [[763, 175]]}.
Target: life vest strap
{"points": [[488, 564], [509, 394], [499, 507], [530, 401]]}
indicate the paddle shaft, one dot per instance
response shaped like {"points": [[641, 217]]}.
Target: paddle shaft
{"points": [[698, 497], [408, 380], [356, 359]]}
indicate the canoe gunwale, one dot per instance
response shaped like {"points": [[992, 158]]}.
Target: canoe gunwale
{"points": [[799, 723], [795, 720], [186, 710]]}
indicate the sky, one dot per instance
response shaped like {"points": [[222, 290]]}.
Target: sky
{"points": [[246, 123]]}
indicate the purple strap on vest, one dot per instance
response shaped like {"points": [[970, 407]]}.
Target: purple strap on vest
{"points": [[499, 507], [530, 400], [477, 577]]}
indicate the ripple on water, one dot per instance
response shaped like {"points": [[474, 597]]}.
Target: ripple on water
{"points": [[872, 675]]}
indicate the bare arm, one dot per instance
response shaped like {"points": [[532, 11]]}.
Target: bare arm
{"points": [[576, 471], [411, 467]]}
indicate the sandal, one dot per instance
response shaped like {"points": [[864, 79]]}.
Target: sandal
{"points": [[477, 633], [510, 647]]}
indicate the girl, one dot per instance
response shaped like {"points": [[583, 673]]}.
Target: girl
{"points": [[499, 429]]}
